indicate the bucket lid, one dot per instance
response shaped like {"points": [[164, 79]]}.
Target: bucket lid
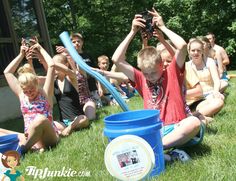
{"points": [[129, 157]]}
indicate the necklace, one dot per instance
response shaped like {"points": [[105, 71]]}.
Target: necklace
{"points": [[156, 91]]}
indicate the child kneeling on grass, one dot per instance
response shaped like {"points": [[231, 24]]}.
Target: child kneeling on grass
{"points": [[162, 89]]}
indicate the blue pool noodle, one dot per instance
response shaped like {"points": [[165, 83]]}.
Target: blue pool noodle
{"points": [[64, 36]]}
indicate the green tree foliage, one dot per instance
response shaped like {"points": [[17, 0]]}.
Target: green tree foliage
{"points": [[105, 23], [23, 18], [192, 18], [102, 23]]}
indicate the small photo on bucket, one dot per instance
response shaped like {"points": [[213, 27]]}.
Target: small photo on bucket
{"points": [[128, 158]]}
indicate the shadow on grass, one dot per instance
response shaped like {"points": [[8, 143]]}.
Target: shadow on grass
{"points": [[211, 130], [13, 125], [226, 94], [17, 124], [200, 150], [221, 113]]}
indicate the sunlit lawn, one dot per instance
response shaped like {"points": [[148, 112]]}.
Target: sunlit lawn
{"points": [[83, 151]]}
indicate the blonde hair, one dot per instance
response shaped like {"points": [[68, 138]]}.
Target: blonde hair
{"points": [[26, 68], [103, 57], [27, 76], [148, 57], [60, 58], [195, 41], [165, 53], [188, 45]]}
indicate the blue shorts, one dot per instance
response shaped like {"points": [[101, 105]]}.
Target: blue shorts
{"points": [[67, 122], [224, 76], [194, 141]]}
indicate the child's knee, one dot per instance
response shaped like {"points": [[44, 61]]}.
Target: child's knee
{"points": [[217, 103], [39, 121], [220, 102], [83, 121], [86, 122], [195, 123]]}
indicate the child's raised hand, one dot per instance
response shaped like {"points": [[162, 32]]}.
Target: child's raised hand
{"points": [[145, 38], [28, 56], [23, 47], [35, 46], [144, 35], [158, 34], [33, 51], [64, 51], [138, 22], [61, 49], [31, 41], [157, 19]]}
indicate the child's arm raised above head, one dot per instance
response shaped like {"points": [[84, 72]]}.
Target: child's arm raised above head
{"points": [[119, 56], [179, 43], [11, 69], [157, 33], [48, 85], [35, 54], [62, 50], [66, 70]]}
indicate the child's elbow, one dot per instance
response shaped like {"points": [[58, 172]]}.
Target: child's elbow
{"points": [[5, 72], [117, 59], [114, 59], [184, 46]]}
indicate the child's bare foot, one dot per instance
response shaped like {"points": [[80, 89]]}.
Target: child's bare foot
{"points": [[67, 131], [208, 119], [41, 150], [73, 126]]}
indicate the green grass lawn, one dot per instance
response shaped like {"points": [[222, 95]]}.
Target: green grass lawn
{"points": [[83, 151]]}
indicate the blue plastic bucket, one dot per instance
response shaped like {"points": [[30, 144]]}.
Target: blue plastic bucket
{"points": [[142, 123], [9, 142]]}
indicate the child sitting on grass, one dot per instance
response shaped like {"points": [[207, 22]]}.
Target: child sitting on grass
{"points": [[118, 79], [36, 103], [66, 92], [106, 97], [161, 89]]}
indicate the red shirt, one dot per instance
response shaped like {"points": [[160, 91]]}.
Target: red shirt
{"points": [[166, 95]]}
